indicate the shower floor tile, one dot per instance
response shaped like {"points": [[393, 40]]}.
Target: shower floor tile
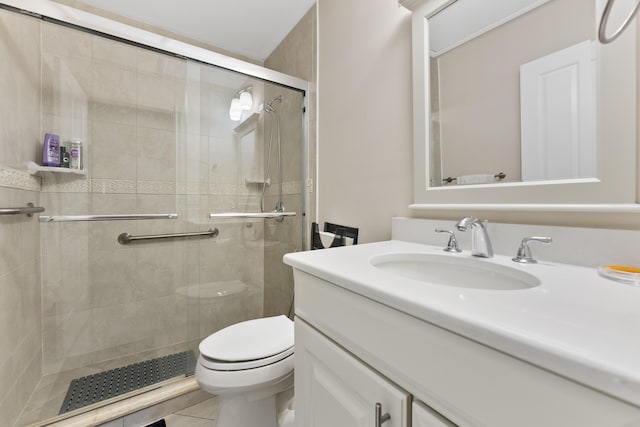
{"points": [[87, 390], [47, 399]]}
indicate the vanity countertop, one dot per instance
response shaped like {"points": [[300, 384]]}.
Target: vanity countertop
{"points": [[576, 323]]}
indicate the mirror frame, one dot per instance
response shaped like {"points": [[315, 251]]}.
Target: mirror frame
{"points": [[614, 190]]}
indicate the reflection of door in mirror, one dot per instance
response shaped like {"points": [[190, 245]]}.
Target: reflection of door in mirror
{"points": [[558, 115], [476, 59]]}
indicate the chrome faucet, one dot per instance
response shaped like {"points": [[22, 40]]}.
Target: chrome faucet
{"points": [[480, 242]]}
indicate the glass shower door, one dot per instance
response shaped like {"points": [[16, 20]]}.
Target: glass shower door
{"points": [[243, 168], [160, 148]]}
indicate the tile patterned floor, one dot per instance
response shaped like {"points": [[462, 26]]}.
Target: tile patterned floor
{"points": [[200, 415]]}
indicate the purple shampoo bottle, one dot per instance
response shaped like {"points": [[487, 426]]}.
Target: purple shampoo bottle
{"points": [[51, 150]]}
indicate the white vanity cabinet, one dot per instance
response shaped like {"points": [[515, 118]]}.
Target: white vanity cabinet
{"points": [[337, 390], [423, 416], [353, 351]]}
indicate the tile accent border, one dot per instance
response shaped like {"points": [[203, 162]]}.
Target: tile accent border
{"points": [[108, 186], [63, 184], [156, 187], [21, 180], [291, 187]]}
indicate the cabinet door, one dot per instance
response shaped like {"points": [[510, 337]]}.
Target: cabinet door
{"points": [[335, 389], [423, 416]]}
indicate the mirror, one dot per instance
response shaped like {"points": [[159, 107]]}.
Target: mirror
{"points": [[516, 102]]}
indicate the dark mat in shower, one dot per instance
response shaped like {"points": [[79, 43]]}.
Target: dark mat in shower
{"points": [[105, 385]]}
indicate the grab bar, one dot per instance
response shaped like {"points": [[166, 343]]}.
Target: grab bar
{"points": [[251, 214], [70, 218], [126, 238], [28, 210]]}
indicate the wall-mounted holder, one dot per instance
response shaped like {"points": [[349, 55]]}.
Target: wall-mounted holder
{"points": [[36, 169], [341, 232]]}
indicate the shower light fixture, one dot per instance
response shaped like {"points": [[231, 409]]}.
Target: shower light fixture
{"points": [[235, 110], [246, 100], [243, 101]]}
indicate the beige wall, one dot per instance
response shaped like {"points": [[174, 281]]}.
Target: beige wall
{"points": [[364, 114]]}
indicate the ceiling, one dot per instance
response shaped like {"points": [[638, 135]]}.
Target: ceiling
{"points": [[250, 28]]}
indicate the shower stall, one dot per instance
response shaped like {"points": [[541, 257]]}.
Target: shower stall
{"points": [[175, 225]]}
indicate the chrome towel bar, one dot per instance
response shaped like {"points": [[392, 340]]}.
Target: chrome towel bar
{"points": [[28, 210], [126, 238], [251, 214], [69, 218], [499, 175]]}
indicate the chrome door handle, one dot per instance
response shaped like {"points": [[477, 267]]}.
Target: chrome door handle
{"points": [[380, 418]]}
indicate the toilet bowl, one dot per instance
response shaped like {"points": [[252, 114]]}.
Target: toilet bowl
{"points": [[247, 365]]}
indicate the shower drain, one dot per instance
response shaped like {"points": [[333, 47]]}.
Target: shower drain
{"points": [[105, 385]]}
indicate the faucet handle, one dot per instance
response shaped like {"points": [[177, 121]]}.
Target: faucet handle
{"points": [[524, 255], [452, 244]]}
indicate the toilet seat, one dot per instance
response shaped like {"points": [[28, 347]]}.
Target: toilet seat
{"points": [[220, 365], [248, 345]]}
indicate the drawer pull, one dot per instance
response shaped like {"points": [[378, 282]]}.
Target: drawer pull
{"points": [[380, 418]]}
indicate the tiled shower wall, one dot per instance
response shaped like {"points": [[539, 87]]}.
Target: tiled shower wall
{"points": [[296, 55], [20, 314], [158, 140]]}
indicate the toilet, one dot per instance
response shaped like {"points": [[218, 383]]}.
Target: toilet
{"points": [[247, 365]]}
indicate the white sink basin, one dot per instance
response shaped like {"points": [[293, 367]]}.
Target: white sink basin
{"points": [[451, 270]]}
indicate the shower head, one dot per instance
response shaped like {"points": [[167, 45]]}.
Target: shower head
{"points": [[269, 108]]}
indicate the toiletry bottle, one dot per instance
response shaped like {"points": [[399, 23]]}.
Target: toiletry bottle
{"points": [[76, 155], [64, 155], [51, 150]]}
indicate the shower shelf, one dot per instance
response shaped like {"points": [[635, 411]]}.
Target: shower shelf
{"points": [[36, 169]]}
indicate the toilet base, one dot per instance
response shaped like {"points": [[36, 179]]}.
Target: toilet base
{"points": [[254, 408], [240, 411]]}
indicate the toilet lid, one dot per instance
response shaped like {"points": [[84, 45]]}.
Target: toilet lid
{"points": [[217, 365], [249, 340]]}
